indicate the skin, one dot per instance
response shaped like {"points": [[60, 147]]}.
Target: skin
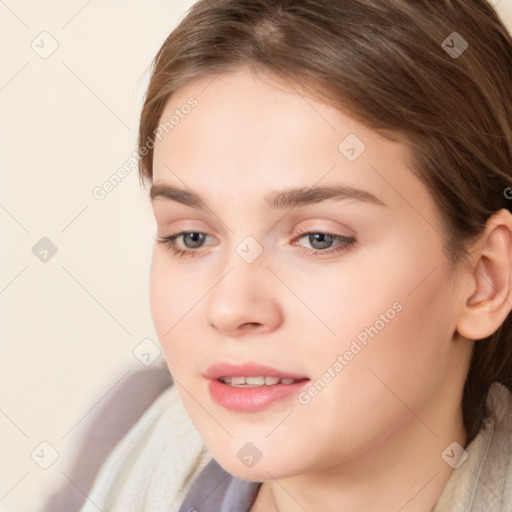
{"points": [[374, 435]]}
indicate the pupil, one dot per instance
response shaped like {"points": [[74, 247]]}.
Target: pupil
{"points": [[196, 238], [323, 239]]}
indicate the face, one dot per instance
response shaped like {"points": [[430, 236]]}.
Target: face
{"points": [[344, 294]]}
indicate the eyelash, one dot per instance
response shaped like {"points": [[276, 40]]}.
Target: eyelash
{"points": [[348, 243]]}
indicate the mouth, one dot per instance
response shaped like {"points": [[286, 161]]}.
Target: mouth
{"points": [[251, 387], [254, 382]]}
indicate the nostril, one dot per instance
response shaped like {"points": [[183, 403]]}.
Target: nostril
{"points": [[250, 326]]}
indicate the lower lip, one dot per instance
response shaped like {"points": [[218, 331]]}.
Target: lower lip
{"points": [[245, 399]]}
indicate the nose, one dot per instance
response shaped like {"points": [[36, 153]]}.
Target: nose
{"points": [[245, 300]]}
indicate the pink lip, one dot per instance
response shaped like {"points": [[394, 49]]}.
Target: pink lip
{"points": [[250, 399], [218, 370]]}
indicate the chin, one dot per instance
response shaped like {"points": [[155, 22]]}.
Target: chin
{"points": [[261, 470]]}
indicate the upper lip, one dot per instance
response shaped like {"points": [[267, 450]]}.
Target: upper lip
{"points": [[217, 370]]}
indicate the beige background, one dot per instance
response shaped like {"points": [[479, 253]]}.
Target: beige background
{"points": [[70, 325]]}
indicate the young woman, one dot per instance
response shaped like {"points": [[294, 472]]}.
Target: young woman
{"points": [[331, 279]]}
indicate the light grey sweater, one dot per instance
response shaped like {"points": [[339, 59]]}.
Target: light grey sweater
{"points": [[153, 467]]}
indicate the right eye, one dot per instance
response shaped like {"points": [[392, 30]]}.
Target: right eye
{"points": [[191, 240]]}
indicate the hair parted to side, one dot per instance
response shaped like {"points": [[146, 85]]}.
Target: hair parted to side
{"points": [[382, 62]]}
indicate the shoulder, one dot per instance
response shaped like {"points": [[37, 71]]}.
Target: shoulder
{"points": [[495, 476], [483, 482], [154, 464]]}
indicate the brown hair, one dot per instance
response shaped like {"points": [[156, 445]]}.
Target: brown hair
{"points": [[390, 64]]}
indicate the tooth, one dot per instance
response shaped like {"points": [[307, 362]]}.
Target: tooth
{"points": [[256, 381]]}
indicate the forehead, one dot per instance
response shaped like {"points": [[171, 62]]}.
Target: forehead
{"points": [[242, 116], [248, 136]]}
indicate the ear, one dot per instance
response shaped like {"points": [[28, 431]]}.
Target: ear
{"points": [[490, 297]]}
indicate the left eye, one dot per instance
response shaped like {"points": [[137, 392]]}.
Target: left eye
{"points": [[321, 241]]}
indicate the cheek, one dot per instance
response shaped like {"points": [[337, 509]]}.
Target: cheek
{"points": [[387, 292], [392, 313], [160, 300], [170, 297], [402, 351], [177, 309]]}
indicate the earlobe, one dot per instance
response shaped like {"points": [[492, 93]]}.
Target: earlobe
{"points": [[490, 300]]}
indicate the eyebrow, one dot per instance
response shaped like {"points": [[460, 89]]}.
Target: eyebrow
{"points": [[289, 198]]}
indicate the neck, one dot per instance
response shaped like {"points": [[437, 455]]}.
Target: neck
{"points": [[403, 471]]}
